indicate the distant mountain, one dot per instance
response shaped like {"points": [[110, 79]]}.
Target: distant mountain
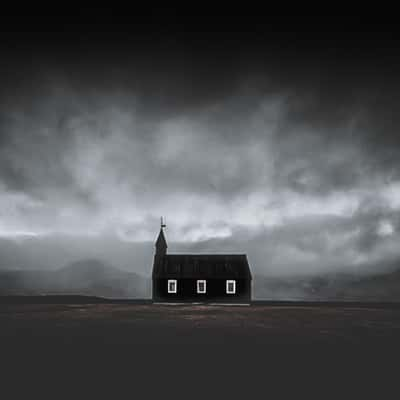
{"points": [[86, 277], [340, 286], [93, 277]]}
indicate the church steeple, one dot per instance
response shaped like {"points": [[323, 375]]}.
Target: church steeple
{"points": [[161, 243]]}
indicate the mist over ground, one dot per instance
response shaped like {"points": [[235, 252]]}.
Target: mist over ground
{"points": [[257, 140]]}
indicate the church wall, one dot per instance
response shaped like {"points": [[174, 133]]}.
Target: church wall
{"points": [[216, 291]]}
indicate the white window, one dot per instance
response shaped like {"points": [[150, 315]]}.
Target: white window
{"points": [[230, 286], [172, 285], [201, 286]]}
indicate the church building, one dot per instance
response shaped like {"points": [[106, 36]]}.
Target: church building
{"points": [[198, 278]]}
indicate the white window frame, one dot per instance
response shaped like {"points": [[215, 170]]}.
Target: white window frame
{"points": [[174, 281], [228, 282], [198, 286]]}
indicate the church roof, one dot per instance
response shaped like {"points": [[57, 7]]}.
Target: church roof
{"points": [[203, 266]]}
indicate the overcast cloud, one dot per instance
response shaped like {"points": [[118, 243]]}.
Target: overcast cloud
{"points": [[297, 166]]}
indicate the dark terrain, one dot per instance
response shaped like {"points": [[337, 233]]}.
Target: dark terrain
{"points": [[84, 330], [139, 350]]}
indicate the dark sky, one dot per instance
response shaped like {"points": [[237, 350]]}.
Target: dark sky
{"points": [[274, 136]]}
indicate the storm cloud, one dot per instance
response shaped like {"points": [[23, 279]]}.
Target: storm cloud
{"points": [[288, 151]]}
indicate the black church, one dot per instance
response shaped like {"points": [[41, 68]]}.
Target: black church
{"points": [[210, 278]]}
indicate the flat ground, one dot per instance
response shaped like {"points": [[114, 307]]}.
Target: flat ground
{"points": [[193, 351]]}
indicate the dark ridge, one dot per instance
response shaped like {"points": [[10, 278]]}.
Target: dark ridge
{"points": [[67, 299], [77, 299]]}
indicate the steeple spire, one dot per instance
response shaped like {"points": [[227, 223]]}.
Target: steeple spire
{"points": [[161, 243]]}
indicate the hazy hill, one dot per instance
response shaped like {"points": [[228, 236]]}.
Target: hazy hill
{"points": [[97, 278], [340, 286], [87, 277]]}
